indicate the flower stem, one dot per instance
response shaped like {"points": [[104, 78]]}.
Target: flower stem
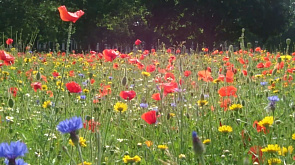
{"points": [[80, 153]]}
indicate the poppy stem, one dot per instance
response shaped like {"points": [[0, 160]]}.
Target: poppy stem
{"points": [[69, 38]]}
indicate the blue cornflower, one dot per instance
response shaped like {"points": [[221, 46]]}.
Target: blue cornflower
{"points": [[13, 150], [110, 77], [82, 97], [263, 83], [70, 125], [273, 98], [197, 144], [143, 105], [17, 162], [173, 104], [81, 75]]}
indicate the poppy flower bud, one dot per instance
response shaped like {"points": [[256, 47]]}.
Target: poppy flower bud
{"points": [[288, 41]]}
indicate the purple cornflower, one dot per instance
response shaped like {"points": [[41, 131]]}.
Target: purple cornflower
{"points": [[173, 104], [17, 162], [12, 151], [71, 126], [263, 83], [197, 144], [82, 97], [143, 105], [110, 77], [81, 75], [273, 100]]}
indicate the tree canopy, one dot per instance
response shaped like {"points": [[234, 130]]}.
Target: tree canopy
{"points": [[121, 22]]}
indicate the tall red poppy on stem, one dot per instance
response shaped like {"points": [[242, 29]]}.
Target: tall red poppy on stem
{"points": [[127, 95], [73, 87], [69, 16], [110, 54], [150, 117], [137, 42], [9, 41]]}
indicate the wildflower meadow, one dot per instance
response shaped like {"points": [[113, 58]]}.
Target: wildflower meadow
{"points": [[163, 106]]}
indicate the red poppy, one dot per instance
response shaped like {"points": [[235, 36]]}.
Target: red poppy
{"points": [[115, 66], [8, 59], [36, 86], [150, 68], [169, 87], [168, 50], [150, 117], [124, 56], [137, 42], [105, 91], [205, 75], [156, 96], [245, 73], [13, 90], [133, 61], [260, 65], [9, 41], [258, 49], [187, 73], [227, 91], [73, 87], [256, 153], [177, 51], [140, 66], [224, 103], [91, 125], [110, 54], [71, 73], [127, 95], [169, 76], [69, 16], [259, 128], [55, 74]]}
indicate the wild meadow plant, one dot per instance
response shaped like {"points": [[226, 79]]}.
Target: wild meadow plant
{"points": [[146, 107]]}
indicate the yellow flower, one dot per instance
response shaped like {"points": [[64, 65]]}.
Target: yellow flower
{"points": [[272, 161], [120, 107], [290, 149], [49, 55], [12, 68], [46, 104], [85, 90], [258, 76], [27, 60], [163, 147], [85, 163], [235, 107], [145, 74], [172, 114], [271, 148], [20, 82], [217, 81], [288, 57], [202, 102], [148, 143], [45, 63], [44, 87], [293, 136], [82, 142], [59, 83], [5, 73], [225, 129], [283, 151], [128, 159], [181, 156], [207, 141], [266, 122]]}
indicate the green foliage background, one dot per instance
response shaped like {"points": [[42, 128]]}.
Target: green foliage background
{"points": [[121, 22]]}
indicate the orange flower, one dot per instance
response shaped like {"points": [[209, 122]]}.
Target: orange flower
{"points": [[205, 75], [156, 96], [148, 143], [68, 16], [227, 91]]}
